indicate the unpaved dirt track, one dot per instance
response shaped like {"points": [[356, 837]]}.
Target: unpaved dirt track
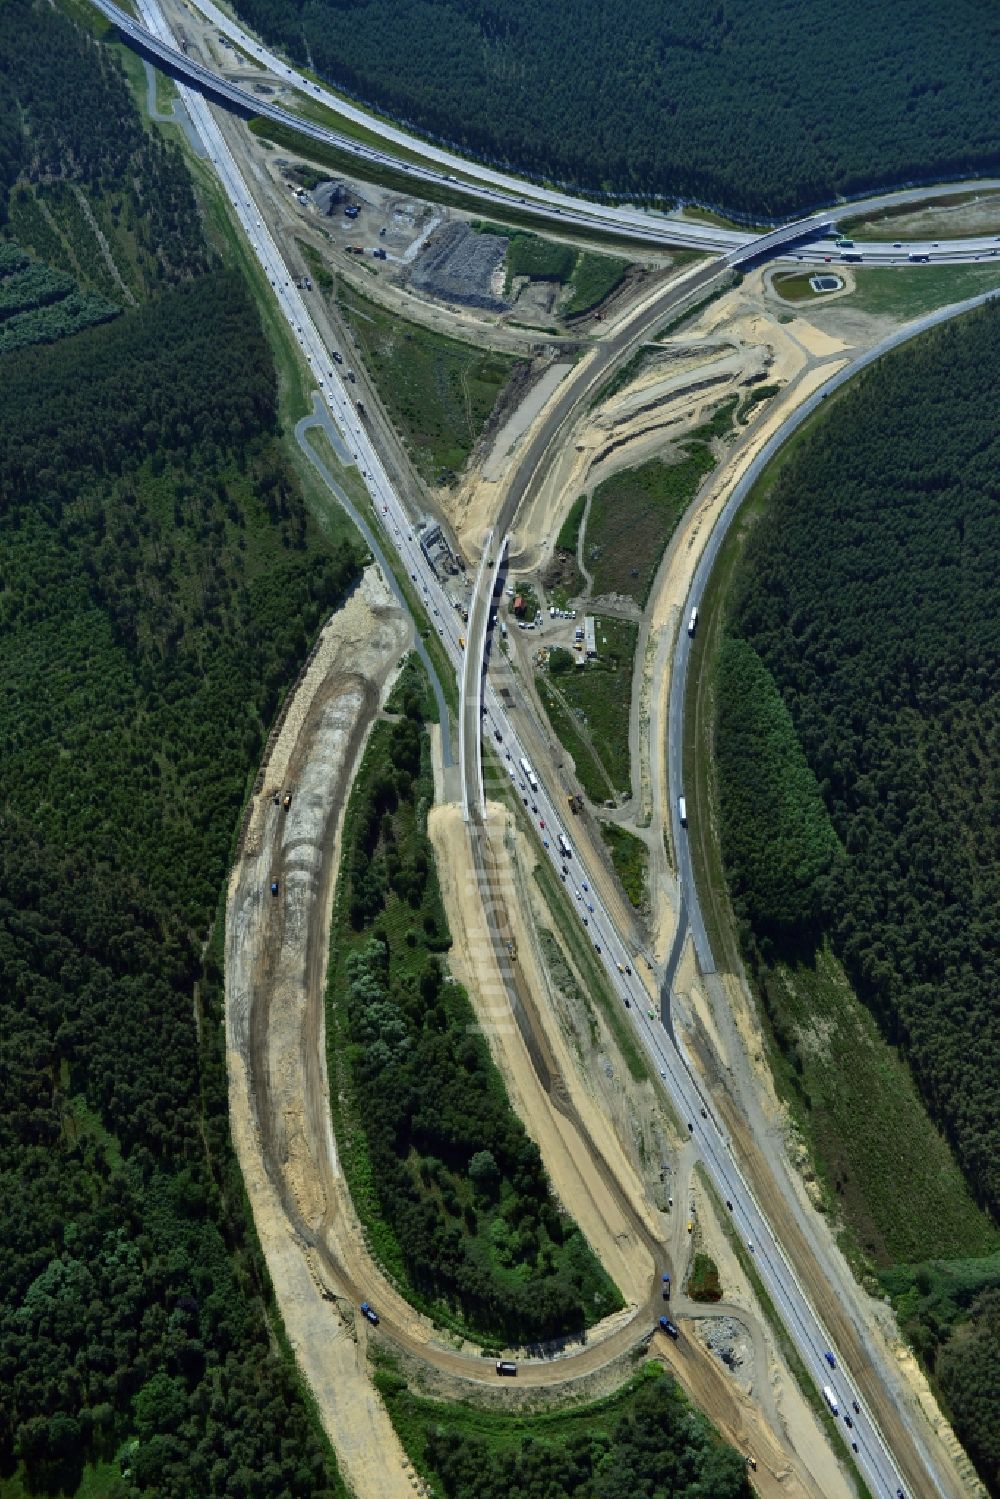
{"points": [[275, 1025], [628, 1260], [808, 356], [277, 959]]}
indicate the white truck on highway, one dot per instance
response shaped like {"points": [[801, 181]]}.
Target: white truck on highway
{"points": [[564, 847], [693, 621], [529, 774], [682, 811], [831, 1399]]}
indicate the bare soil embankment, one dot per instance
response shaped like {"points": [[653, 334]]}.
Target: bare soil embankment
{"points": [[276, 949]]}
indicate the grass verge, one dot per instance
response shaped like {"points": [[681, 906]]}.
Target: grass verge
{"points": [[438, 392], [894, 222], [598, 696], [317, 265], [594, 278], [703, 1282], [884, 1166], [634, 514], [709, 216], [564, 979], [569, 531], [796, 286], [630, 857], [907, 291], [589, 770]]}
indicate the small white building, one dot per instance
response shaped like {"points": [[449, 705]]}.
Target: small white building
{"points": [[590, 634]]}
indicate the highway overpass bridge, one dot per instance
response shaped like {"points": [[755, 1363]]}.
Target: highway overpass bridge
{"points": [[476, 181], [472, 677], [779, 240]]}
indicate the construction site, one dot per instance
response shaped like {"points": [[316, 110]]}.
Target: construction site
{"points": [[617, 1156]]}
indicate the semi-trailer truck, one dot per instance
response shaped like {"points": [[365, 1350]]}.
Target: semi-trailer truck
{"points": [[693, 622], [831, 1399], [506, 1366], [682, 811], [564, 847], [530, 776]]}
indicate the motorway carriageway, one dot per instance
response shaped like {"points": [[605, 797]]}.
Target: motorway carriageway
{"points": [[506, 188], [573, 213], [517, 192], [789, 1298], [703, 571]]}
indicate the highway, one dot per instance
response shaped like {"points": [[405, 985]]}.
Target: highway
{"points": [[492, 187], [694, 1109], [874, 1459], [499, 189]]}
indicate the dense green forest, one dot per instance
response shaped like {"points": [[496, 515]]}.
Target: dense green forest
{"points": [[97, 212], [450, 1187], [781, 848], [39, 305], [859, 706], [760, 109], [950, 1310], [643, 1440], [159, 586]]}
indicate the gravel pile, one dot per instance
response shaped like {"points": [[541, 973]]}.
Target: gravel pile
{"points": [[458, 265], [727, 1338]]}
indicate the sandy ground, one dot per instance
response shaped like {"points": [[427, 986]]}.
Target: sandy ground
{"points": [[473, 505], [758, 1408], [289, 1159], [735, 342], [980, 216], [518, 423], [473, 962], [278, 1084]]}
